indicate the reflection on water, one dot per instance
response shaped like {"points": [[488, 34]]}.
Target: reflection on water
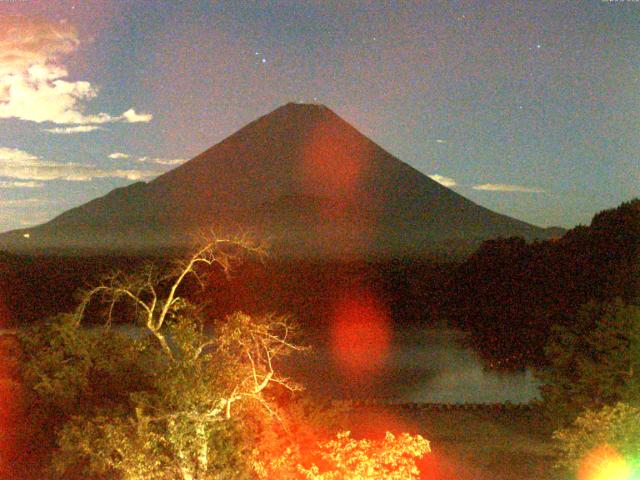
{"points": [[423, 365], [428, 365]]}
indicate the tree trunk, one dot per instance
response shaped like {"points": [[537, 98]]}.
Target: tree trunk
{"points": [[186, 474], [203, 453]]}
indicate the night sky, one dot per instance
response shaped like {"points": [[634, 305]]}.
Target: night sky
{"points": [[529, 108]]}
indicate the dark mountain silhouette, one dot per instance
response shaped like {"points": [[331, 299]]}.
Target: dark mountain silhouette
{"points": [[300, 176]]}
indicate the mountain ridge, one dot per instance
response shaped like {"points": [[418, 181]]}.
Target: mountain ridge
{"points": [[300, 175]]}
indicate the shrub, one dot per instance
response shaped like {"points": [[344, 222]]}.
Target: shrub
{"points": [[346, 458], [593, 362], [601, 444]]}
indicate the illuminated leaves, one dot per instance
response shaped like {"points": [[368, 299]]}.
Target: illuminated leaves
{"points": [[346, 458], [165, 399], [602, 444], [594, 361]]}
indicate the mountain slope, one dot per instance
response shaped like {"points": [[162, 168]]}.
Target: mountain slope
{"points": [[302, 177]]}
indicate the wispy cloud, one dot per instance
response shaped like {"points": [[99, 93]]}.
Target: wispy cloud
{"points": [[21, 165], [72, 130], [442, 180], [501, 187], [162, 161], [21, 202], [169, 161], [21, 184], [33, 81], [147, 160], [118, 155]]}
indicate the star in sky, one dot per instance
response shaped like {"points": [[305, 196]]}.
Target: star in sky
{"points": [[115, 79]]}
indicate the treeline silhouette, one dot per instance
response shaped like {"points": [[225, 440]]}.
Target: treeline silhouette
{"points": [[33, 288], [509, 294]]}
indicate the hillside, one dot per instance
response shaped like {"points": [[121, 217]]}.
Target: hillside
{"points": [[300, 176]]}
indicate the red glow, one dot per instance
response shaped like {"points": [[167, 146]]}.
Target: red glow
{"points": [[374, 422], [439, 465], [360, 334], [335, 161]]}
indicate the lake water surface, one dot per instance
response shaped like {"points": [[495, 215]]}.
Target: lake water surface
{"points": [[427, 365]]}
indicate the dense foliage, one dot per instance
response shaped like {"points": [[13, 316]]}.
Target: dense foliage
{"points": [[163, 399], [509, 294], [170, 394], [601, 444], [594, 361], [346, 458], [127, 408], [591, 377]]}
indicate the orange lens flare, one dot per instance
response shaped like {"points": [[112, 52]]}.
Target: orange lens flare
{"points": [[604, 463], [374, 422], [335, 163], [436, 466], [360, 334]]}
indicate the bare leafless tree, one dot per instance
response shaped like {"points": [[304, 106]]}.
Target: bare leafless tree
{"points": [[246, 345], [142, 289]]}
